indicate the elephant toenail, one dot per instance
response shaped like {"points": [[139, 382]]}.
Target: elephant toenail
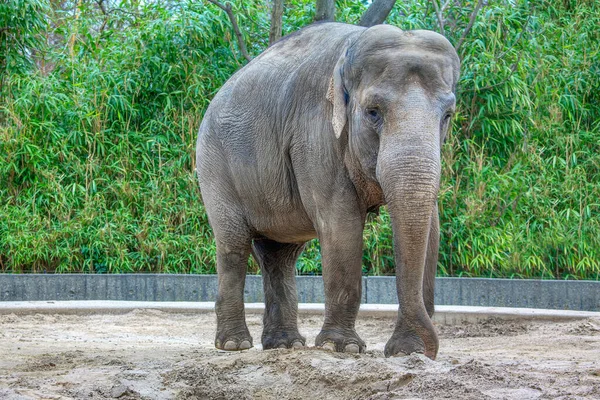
{"points": [[245, 345], [328, 346], [230, 345], [282, 346], [352, 348], [297, 345]]}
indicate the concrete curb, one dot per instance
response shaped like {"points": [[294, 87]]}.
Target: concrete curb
{"points": [[560, 295], [445, 315]]}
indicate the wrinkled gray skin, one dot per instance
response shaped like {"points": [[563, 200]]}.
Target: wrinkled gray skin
{"points": [[328, 124]]}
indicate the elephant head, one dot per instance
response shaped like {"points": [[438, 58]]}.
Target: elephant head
{"points": [[393, 98]]}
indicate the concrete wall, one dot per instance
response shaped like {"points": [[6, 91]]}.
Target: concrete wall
{"points": [[567, 295]]}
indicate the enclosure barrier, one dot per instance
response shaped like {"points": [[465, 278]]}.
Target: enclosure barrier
{"points": [[547, 294]]}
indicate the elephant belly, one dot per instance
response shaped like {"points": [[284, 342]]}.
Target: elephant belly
{"points": [[290, 226]]}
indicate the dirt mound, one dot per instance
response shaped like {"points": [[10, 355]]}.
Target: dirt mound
{"points": [[155, 355], [489, 328]]}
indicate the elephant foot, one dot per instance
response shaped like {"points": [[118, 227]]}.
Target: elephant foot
{"points": [[406, 341], [233, 342], [342, 341], [283, 340]]}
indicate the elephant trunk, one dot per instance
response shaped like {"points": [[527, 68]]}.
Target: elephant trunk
{"points": [[408, 171]]}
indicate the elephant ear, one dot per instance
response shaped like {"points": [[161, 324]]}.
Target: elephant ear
{"points": [[337, 95]]}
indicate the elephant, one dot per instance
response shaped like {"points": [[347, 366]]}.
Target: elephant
{"points": [[326, 125]]}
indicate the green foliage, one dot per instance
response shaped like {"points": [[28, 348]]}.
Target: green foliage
{"points": [[22, 28], [100, 110]]}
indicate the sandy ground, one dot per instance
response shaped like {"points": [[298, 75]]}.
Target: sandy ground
{"points": [[155, 355]]}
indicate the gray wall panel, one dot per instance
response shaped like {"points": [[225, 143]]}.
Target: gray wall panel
{"points": [[567, 295]]}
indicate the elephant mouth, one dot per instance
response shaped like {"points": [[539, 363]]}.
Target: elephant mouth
{"points": [[375, 199], [374, 209]]}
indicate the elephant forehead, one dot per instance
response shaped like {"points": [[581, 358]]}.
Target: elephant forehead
{"points": [[387, 36], [400, 67], [388, 49]]}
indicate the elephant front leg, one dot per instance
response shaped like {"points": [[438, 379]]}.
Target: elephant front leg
{"points": [[431, 261], [341, 249]]}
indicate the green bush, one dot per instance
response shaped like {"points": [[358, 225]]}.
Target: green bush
{"points": [[100, 110]]}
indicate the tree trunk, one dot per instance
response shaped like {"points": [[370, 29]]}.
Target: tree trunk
{"points": [[325, 10], [377, 12], [236, 29], [276, 21]]}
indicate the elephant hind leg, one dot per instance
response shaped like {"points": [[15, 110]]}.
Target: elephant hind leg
{"points": [[280, 322], [232, 331], [233, 242]]}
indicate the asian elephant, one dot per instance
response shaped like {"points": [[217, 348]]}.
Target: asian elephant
{"points": [[329, 123]]}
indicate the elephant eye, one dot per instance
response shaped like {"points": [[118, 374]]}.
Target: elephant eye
{"points": [[446, 120], [374, 115]]}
